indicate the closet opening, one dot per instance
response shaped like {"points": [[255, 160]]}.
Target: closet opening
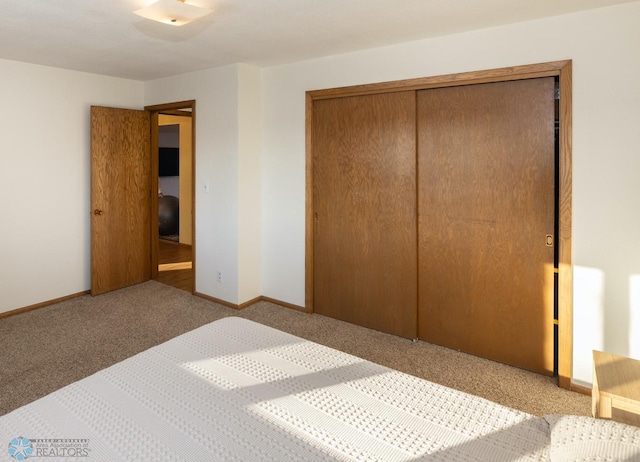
{"points": [[558, 236]]}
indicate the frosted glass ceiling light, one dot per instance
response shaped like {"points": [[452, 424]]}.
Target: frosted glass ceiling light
{"points": [[173, 12]]}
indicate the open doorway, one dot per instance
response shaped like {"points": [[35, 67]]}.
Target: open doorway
{"points": [[173, 220]]}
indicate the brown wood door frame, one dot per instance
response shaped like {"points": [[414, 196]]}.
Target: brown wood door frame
{"points": [[560, 69], [181, 108]]}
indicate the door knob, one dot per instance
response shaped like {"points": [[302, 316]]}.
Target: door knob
{"points": [[98, 212]]}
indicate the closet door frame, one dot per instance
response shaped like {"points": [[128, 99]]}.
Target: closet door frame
{"points": [[560, 69]]}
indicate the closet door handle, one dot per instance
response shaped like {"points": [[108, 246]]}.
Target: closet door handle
{"points": [[98, 212]]}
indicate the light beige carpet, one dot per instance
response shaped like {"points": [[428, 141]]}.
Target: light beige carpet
{"points": [[45, 349]]}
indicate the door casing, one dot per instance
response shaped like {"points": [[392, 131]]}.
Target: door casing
{"points": [[177, 108]]}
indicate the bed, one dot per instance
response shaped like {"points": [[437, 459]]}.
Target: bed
{"points": [[238, 390]]}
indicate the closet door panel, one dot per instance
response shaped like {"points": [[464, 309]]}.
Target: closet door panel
{"points": [[486, 161], [364, 202]]}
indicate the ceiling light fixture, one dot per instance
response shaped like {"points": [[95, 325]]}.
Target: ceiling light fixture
{"points": [[173, 12]]}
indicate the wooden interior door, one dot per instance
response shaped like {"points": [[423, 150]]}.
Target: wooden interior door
{"points": [[486, 161], [120, 198], [364, 202]]}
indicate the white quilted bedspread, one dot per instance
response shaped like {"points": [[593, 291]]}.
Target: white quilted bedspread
{"points": [[237, 390]]}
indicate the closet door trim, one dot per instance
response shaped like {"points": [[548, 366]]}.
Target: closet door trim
{"points": [[561, 69]]}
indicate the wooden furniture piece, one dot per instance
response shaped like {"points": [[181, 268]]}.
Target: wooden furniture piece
{"points": [[616, 388]]}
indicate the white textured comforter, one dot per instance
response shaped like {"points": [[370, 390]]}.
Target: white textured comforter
{"points": [[237, 390]]}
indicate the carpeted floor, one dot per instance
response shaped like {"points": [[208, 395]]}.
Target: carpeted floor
{"points": [[46, 349]]}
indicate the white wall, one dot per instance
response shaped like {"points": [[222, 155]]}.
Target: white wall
{"points": [[227, 148], [249, 184], [603, 45], [45, 178], [216, 159]]}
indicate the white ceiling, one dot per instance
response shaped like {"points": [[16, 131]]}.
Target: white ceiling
{"points": [[106, 37]]}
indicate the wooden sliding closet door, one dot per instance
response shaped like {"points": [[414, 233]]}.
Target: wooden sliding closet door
{"points": [[364, 196], [486, 206]]}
